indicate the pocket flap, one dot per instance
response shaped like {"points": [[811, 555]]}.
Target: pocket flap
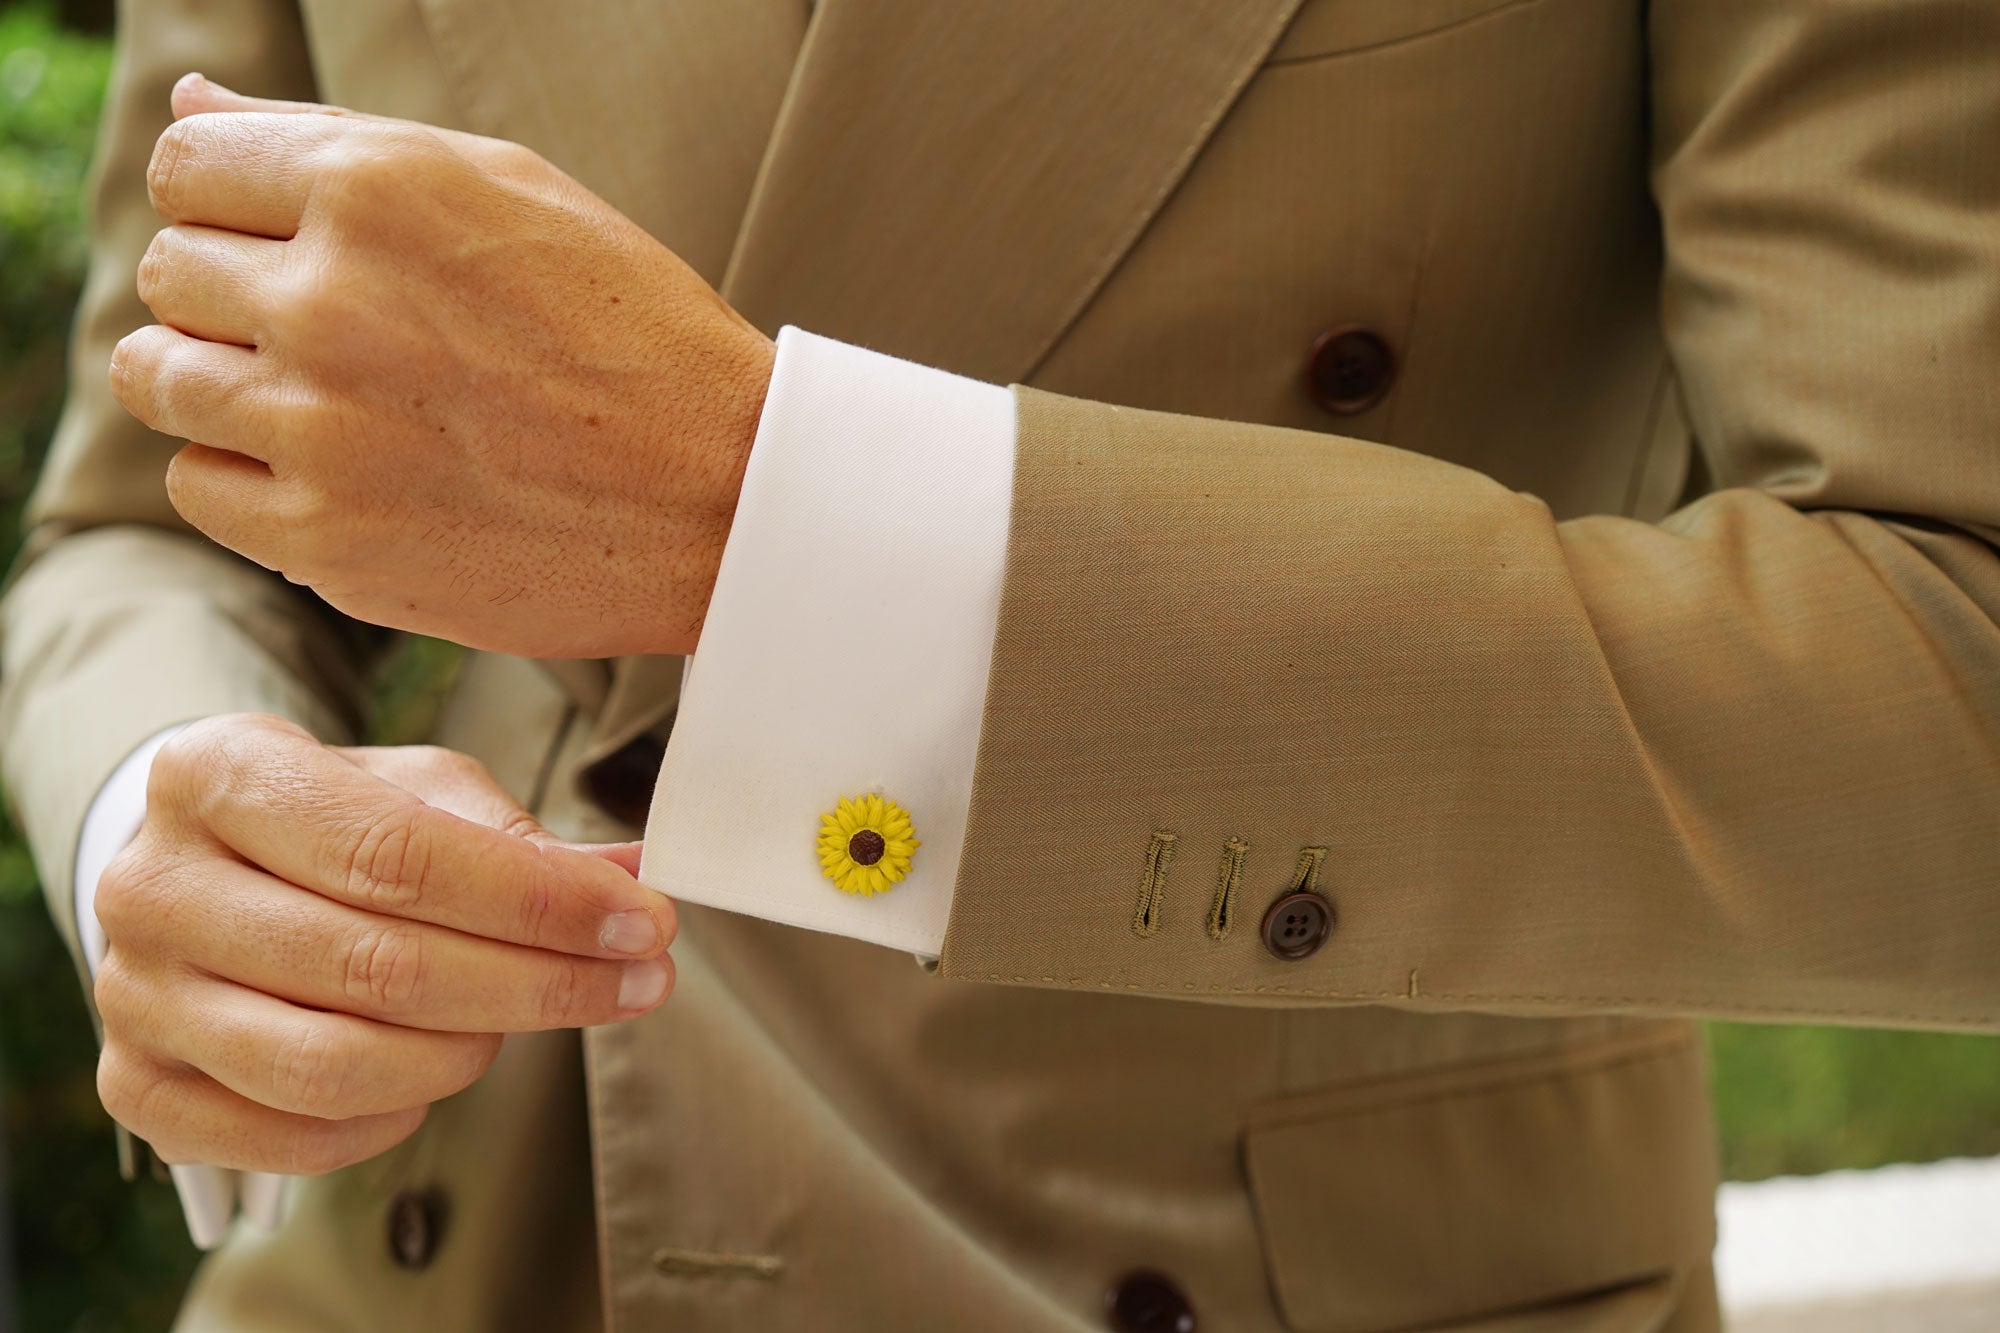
{"points": [[1472, 1191], [1332, 27]]}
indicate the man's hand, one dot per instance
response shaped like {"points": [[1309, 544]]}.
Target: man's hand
{"points": [[309, 946], [437, 381]]}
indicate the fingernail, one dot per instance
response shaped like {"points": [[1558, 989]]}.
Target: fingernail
{"points": [[643, 985], [630, 932]]}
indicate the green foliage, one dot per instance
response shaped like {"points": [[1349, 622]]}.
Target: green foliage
{"points": [[1801, 1100], [50, 85]]}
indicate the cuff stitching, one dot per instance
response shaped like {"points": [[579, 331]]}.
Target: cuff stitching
{"points": [[1229, 878], [1153, 885]]}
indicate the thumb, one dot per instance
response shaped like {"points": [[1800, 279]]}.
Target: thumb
{"points": [[624, 855], [196, 93]]}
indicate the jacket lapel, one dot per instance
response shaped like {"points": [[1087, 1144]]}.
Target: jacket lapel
{"points": [[664, 109], [952, 182]]}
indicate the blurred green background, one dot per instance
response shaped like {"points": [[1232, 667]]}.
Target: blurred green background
{"points": [[93, 1253]]}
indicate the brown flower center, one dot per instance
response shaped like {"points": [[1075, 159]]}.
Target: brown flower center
{"points": [[866, 847]]}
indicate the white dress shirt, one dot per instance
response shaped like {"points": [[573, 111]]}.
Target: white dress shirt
{"points": [[845, 653]]}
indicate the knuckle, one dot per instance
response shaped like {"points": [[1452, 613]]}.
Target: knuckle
{"points": [[388, 862], [124, 1087], [133, 371], [537, 905], [317, 1150], [563, 993], [480, 1050], [153, 375], [385, 969], [520, 824], [364, 170], [454, 761], [187, 764], [309, 304], [514, 160], [206, 762], [166, 172], [115, 992], [320, 530], [187, 493], [118, 891], [135, 897], [311, 1072], [153, 266]]}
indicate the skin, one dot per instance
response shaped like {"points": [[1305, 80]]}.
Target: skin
{"points": [[310, 945], [438, 382], [435, 380]]}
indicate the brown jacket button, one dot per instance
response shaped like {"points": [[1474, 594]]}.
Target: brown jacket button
{"points": [[416, 1222], [1148, 1302], [1349, 370], [1297, 925], [621, 783]]}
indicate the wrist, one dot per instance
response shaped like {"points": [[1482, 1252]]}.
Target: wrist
{"points": [[739, 389]]}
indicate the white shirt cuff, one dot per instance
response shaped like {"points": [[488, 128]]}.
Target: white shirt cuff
{"points": [[112, 821], [847, 644]]}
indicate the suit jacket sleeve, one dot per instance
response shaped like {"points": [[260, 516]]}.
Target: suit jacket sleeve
{"points": [[119, 619], [1745, 761]]}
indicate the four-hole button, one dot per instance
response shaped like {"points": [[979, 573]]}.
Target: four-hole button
{"points": [[1297, 925]]}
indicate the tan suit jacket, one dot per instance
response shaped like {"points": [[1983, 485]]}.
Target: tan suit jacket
{"points": [[1627, 644]]}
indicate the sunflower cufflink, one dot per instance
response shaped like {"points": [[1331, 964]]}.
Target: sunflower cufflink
{"points": [[865, 846]]}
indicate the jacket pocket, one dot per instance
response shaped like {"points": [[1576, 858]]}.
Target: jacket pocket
{"points": [[1333, 27], [1474, 1191]]}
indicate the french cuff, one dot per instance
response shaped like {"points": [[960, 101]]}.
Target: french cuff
{"points": [[820, 768]]}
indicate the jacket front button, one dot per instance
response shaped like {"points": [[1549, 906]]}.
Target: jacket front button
{"points": [[621, 783], [1147, 1302], [416, 1219], [1349, 369], [1297, 925]]}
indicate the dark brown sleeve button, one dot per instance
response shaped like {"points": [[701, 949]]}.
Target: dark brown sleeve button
{"points": [[1148, 1302], [1297, 925], [1349, 369], [416, 1224], [621, 783]]}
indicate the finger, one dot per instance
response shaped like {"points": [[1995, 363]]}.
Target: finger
{"points": [[187, 1116], [329, 1065], [247, 927], [243, 171], [624, 855], [232, 499], [193, 389], [312, 817], [197, 95], [211, 284], [450, 781]]}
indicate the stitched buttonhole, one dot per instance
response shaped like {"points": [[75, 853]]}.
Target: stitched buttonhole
{"points": [[1153, 884], [672, 1261], [1228, 879], [1305, 877]]}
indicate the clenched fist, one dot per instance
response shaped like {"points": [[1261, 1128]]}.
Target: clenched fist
{"points": [[308, 946], [437, 381]]}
